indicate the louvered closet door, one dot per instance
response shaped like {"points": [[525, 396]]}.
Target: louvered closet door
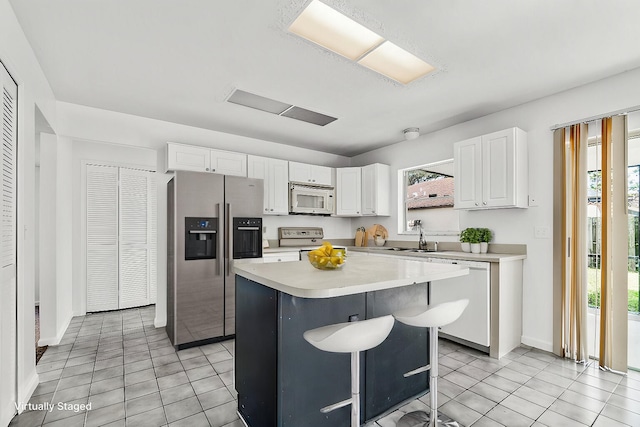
{"points": [[137, 251], [102, 238], [9, 94]]}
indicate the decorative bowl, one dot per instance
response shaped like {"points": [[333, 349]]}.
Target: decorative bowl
{"points": [[328, 262]]}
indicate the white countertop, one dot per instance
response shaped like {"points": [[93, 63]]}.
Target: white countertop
{"points": [[467, 256], [358, 275], [488, 257]]}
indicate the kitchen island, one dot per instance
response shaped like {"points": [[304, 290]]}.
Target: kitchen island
{"points": [[284, 381]]}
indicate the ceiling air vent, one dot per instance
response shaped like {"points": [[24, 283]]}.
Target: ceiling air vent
{"points": [[272, 106]]}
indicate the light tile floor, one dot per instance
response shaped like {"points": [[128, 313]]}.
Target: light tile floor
{"points": [[132, 376]]}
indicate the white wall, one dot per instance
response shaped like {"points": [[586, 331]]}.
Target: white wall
{"points": [[47, 239], [64, 231], [33, 89], [36, 210], [512, 225]]}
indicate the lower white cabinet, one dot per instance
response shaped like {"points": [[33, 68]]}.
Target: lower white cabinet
{"points": [[281, 256]]}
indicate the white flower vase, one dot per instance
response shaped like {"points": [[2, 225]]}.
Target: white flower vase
{"points": [[475, 248], [484, 246], [466, 246]]}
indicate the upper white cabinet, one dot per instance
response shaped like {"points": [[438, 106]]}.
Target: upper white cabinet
{"points": [[228, 163], [202, 159], [275, 174], [310, 174], [188, 158], [491, 171], [348, 191], [375, 190]]}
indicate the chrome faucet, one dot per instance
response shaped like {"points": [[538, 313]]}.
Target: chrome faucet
{"points": [[422, 244]]}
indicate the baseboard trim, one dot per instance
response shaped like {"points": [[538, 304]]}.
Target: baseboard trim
{"points": [[56, 340], [536, 343], [159, 323], [7, 413], [28, 389]]}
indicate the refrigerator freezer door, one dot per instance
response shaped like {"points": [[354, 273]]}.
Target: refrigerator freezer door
{"points": [[198, 292]]}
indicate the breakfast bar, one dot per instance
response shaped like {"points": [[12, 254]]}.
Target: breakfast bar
{"points": [[282, 380]]}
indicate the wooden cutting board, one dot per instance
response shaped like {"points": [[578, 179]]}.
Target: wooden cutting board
{"points": [[361, 238]]}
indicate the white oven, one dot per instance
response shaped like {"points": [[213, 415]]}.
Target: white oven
{"points": [[309, 199]]}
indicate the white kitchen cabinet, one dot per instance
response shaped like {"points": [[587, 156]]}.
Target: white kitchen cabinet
{"points": [[281, 256], [228, 163], [375, 190], [309, 174], [348, 191], [188, 158], [275, 173], [491, 171], [201, 159]]}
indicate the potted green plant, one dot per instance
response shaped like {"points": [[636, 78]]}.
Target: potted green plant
{"points": [[466, 236], [485, 237], [474, 240]]}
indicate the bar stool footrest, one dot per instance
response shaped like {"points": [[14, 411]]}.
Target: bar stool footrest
{"points": [[336, 406], [422, 419], [417, 371]]}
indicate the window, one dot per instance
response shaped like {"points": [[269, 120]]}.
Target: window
{"points": [[427, 195]]}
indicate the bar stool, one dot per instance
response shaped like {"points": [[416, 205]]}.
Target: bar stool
{"points": [[351, 337], [432, 318]]}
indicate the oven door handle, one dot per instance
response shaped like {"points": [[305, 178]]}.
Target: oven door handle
{"points": [[249, 228], [229, 253]]}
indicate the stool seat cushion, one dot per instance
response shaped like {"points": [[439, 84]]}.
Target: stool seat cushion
{"points": [[350, 337], [435, 316]]}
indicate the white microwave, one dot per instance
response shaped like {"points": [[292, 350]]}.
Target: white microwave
{"points": [[308, 199]]}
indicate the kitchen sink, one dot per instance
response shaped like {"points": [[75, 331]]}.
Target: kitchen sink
{"points": [[397, 249]]}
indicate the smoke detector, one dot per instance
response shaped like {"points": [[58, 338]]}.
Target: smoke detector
{"points": [[411, 133]]}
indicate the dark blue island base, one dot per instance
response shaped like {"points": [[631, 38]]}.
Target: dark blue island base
{"points": [[283, 381]]}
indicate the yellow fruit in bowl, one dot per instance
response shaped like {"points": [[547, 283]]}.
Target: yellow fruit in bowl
{"points": [[326, 257]]}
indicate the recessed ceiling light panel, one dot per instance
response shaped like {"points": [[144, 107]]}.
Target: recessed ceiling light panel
{"points": [[332, 30], [396, 63], [258, 102], [251, 100], [308, 116]]}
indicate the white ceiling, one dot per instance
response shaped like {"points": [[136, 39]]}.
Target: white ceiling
{"points": [[179, 60]]}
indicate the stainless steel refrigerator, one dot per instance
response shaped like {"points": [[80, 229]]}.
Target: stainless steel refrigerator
{"points": [[212, 221]]}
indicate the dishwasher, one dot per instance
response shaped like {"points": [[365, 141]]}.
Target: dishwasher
{"points": [[473, 326]]}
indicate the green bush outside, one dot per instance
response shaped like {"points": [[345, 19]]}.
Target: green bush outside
{"points": [[593, 290]]}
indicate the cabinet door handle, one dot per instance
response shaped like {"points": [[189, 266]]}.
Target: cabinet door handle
{"points": [[271, 210], [207, 169], [484, 203], [476, 203]]}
